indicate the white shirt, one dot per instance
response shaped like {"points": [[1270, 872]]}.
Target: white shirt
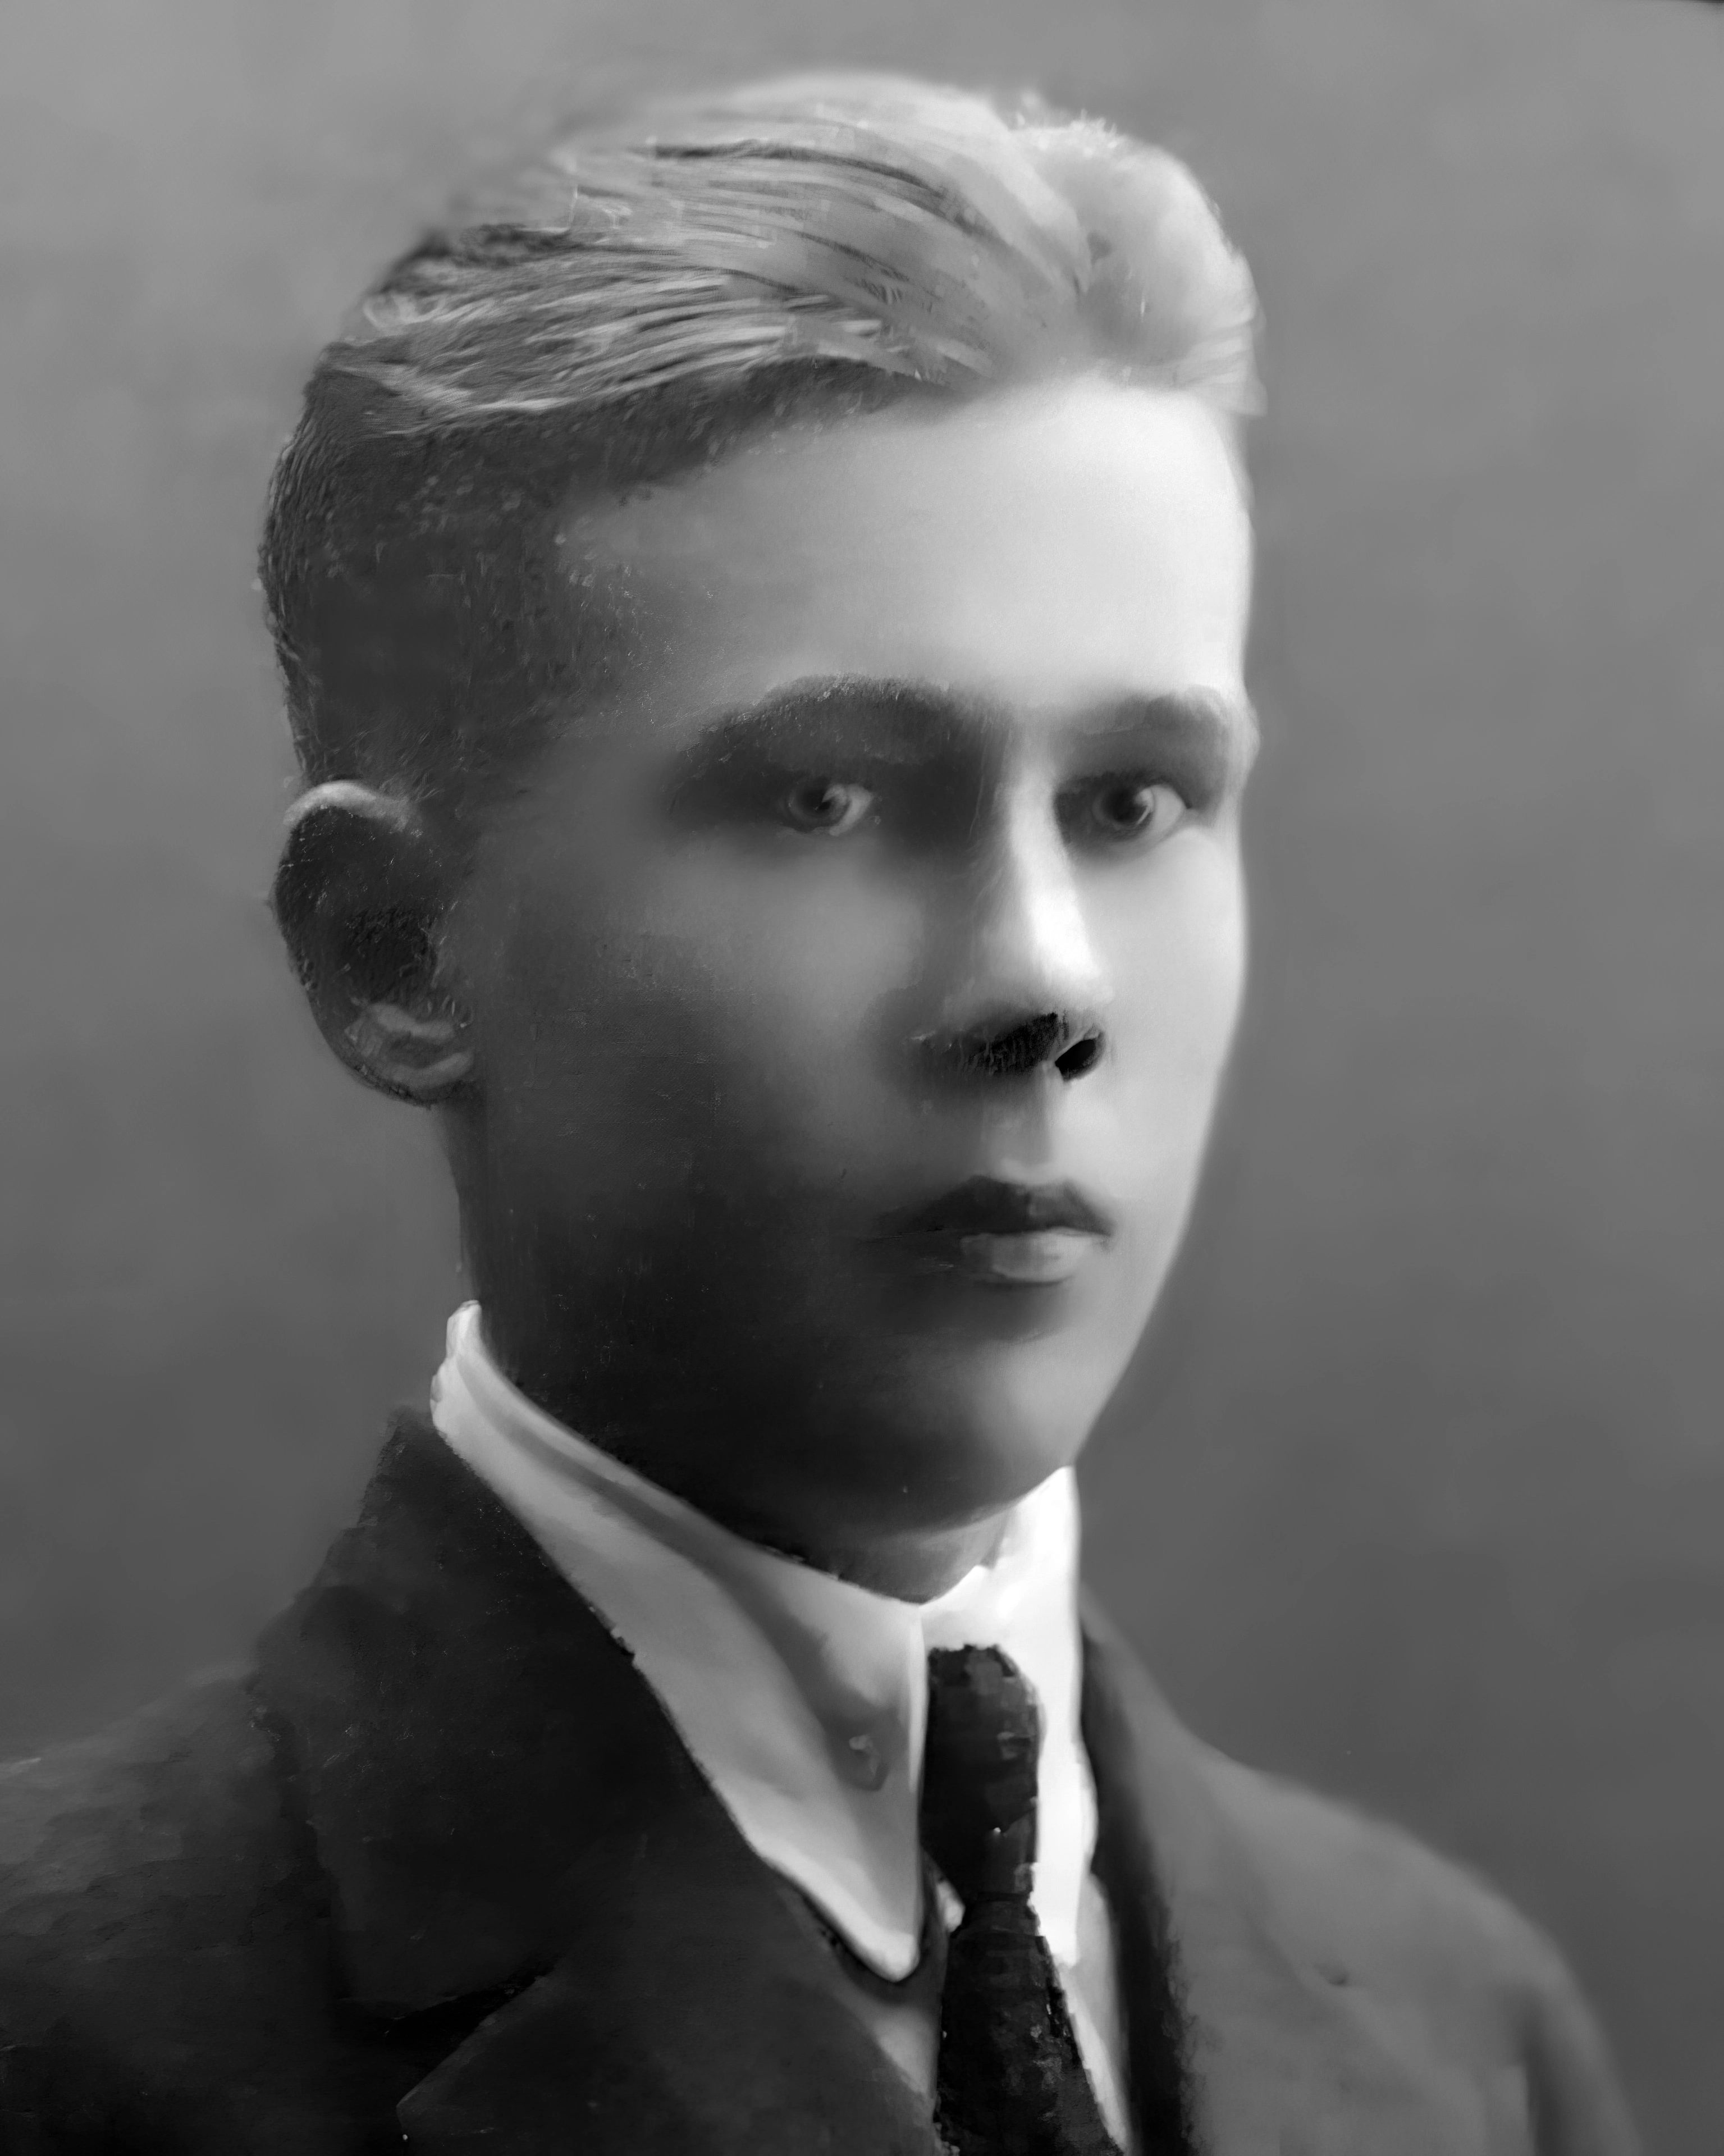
{"points": [[802, 1697]]}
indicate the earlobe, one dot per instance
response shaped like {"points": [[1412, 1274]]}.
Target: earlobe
{"points": [[414, 1058], [359, 898]]}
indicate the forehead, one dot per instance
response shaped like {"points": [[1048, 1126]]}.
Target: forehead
{"points": [[1038, 549]]}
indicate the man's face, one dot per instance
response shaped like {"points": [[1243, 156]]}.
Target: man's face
{"points": [[850, 988]]}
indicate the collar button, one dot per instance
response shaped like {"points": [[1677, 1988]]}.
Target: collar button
{"points": [[862, 1761]]}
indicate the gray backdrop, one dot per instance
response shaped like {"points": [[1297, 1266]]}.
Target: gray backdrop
{"points": [[1418, 1491]]}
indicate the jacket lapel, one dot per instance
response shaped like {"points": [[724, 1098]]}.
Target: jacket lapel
{"points": [[1230, 2032], [504, 1811], [502, 1808]]}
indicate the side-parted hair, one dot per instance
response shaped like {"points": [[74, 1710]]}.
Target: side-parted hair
{"points": [[636, 301]]}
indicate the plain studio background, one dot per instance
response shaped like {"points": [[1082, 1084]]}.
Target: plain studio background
{"points": [[1418, 1491]]}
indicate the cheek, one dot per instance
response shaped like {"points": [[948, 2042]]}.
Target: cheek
{"points": [[1176, 960], [787, 976], [697, 1011]]}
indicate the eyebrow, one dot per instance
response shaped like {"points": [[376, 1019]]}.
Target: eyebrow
{"points": [[917, 722]]}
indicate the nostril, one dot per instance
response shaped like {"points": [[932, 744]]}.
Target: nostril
{"points": [[1049, 1040], [1013, 1053], [1082, 1055]]}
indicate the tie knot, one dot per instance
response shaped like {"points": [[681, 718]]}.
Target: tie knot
{"points": [[979, 1772]]}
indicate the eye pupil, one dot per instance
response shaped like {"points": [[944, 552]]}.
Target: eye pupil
{"points": [[817, 801], [825, 805], [1126, 808]]}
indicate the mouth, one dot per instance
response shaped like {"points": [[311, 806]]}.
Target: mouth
{"points": [[1006, 1234]]}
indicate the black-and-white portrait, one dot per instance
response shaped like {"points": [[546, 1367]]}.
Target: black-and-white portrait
{"points": [[864, 965]]}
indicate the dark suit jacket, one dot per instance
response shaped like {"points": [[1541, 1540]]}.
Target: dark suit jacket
{"points": [[439, 1875]]}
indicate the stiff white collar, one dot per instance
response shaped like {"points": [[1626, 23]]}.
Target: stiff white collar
{"points": [[800, 1696]]}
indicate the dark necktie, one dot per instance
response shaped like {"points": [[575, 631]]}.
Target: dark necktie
{"points": [[1011, 2080]]}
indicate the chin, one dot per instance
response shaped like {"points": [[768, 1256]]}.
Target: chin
{"points": [[992, 1426]]}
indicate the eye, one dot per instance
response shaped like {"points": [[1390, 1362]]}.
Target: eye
{"points": [[1133, 809], [830, 806]]}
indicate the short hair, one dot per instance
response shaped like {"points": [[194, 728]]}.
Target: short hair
{"points": [[637, 299]]}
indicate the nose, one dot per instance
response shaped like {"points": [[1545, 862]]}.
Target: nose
{"points": [[1030, 995]]}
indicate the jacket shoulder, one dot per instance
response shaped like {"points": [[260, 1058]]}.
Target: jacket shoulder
{"points": [[171, 1809], [1369, 1906], [1370, 1901], [160, 1911]]}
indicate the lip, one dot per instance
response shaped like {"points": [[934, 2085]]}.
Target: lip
{"points": [[1003, 1234], [988, 1206]]}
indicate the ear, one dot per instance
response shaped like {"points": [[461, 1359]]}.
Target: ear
{"points": [[359, 898]]}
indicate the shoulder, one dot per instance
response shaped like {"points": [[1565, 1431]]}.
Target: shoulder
{"points": [[1295, 1902], [179, 1795], [1369, 1902], [155, 1893], [1368, 1906]]}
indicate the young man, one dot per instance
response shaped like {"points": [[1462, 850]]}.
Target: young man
{"points": [[762, 600]]}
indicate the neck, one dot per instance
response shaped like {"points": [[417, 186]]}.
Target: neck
{"points": [[841, 1532], [915, 1565], [909, 1563]]}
